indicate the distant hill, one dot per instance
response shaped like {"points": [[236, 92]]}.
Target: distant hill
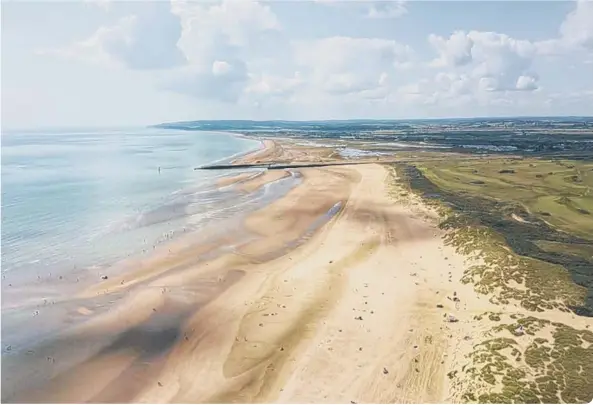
{"points": [[376, 125]]}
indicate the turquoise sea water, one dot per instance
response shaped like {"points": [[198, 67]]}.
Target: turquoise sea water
{"points": [[76, 199]]}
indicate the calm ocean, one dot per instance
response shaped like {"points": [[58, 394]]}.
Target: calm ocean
{"points": [[76, 199]]}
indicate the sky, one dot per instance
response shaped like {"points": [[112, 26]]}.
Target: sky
{"points": [[115, 63]]}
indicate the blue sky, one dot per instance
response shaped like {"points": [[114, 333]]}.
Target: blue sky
{"points": [[110, 63]]}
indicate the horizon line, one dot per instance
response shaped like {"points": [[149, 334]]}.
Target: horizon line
{"points": [[122, 126]]}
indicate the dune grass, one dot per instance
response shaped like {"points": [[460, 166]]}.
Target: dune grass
{"points": [[530, 369]]}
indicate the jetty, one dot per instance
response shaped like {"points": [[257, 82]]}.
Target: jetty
{"points": [[302, 165], [282, 166]]}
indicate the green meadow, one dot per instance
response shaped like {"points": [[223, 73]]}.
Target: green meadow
{"points": [[529, 224]]}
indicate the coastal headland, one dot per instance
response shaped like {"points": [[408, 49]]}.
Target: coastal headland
{"points": [[385, 281]]}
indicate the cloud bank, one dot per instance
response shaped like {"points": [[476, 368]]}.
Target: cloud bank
{"points": [[238, 52]]}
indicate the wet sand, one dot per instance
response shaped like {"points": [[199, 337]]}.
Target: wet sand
{"points": [[328, 294]]}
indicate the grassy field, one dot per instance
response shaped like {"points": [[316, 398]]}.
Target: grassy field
{"points": [[557, 192], [495, 206], [582, 250]]}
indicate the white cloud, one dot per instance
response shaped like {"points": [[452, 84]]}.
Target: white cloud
{"points": [[345, 83], [218, 40], [453, 85], [489, 68], [574, 35], [223, 81], [267, 86], [493, 61], [577, 28], [339, 53], [501, 58], [133, 42], [204, 47], [497, 63], [337, 3], [235, 23], [237, 51], [95, 49], [445, 88], [460, 95], [386, 9], [453, 51], [392, 9], [526, 83], [341, 65], [220, 68], [105, 5]]}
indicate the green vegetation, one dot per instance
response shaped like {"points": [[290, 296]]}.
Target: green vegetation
{"points": [[584, 251], [493, 316], [492, 213], [530, 224], [561, 189], [542, 372]]}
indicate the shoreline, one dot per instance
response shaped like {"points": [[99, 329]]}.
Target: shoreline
{"points": [[104, 264], [100, 262], [286, 255], [50, 298], [240, 155], [343, 289]]}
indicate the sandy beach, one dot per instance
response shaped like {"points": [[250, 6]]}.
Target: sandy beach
{"points": [[338, 292]]}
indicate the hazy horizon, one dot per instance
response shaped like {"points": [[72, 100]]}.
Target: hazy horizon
{"points": [[107, 127]]}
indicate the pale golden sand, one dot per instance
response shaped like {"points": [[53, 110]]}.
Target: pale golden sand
{"points": [[230, 180], [270, 151]]}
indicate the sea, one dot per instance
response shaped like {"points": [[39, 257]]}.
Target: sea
{"points": [[76, 201]]}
